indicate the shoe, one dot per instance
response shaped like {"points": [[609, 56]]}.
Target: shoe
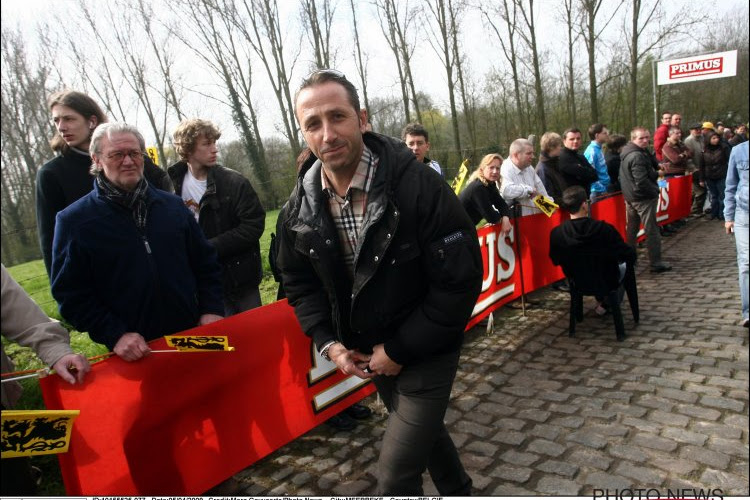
{"points": [[358, 411], [341, 422], [661, 268], [561, 286], [746, 323], [600, 310]]}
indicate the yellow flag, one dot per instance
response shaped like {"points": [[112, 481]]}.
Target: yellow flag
{"points": [[153, 154], [199, 342], [459, 180], [546, 205], [36, 432]]}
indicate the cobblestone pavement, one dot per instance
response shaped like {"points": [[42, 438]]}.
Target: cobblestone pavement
{"points": [[535, 412]]}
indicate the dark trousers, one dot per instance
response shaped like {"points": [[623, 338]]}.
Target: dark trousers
{"points": [[415, 438]]}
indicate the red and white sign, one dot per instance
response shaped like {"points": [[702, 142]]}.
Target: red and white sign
{"points": [[692, 69]]}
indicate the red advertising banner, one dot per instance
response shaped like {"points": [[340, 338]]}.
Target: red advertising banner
{"points": [[179, 423]]}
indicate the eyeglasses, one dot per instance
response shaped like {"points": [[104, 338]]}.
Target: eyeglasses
{"points": [[119, 156]]}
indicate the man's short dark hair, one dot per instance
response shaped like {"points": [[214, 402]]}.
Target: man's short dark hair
{"points": [[616, 142], [415, 128], [322, 76], [571, 130], [596, 128], [573, 197]]}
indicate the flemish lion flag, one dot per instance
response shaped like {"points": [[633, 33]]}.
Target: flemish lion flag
{"points": [[458, 182], [546, 205], [199, 342], [36, 432]]}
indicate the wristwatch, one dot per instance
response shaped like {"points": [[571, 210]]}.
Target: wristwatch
{"points": [[326, 348]]}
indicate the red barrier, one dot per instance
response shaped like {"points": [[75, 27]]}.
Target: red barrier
{"points": [[177, 424]]}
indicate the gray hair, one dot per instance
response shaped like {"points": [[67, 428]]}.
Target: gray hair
{"points": [[108, 130], [519, 145]]}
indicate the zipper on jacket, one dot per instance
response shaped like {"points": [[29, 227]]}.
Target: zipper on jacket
{"points": [[145, 243]]}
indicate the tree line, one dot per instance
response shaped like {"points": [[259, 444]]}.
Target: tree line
{"points": [[596, 66]]}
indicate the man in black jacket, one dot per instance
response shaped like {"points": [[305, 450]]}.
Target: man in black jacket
{"points": [[226, 208], [383, 268], [574, 167], [638, 174]]}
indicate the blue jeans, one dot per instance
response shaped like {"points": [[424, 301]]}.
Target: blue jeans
{"points": [[716, 190], [741, 235]]}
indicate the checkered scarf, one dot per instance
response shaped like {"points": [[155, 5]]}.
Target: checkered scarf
{"points": [[135, 200]]}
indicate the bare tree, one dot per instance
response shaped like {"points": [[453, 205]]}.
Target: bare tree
{"points": [[218, 45], [590, 10], [395, 25], [456, 9], [570, 16], [508, 12], [528, 35], [266, 36], [359, 60], [318, 27], [441, 40]]}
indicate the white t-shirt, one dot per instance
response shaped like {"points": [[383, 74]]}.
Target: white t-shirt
{"points": [[192, 192]]}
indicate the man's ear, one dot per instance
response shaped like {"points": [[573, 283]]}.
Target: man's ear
{"points": [[363, 120]]}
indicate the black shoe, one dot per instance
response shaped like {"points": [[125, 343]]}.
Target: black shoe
{"points": [[746, 323], [561, 286], [358, 411], [661, 268], [341, 422]]}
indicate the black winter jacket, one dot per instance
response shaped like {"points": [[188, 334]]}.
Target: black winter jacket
{"points": [[576, 169], [233, 220], [638, 173], [417, 268], [484, 202]]}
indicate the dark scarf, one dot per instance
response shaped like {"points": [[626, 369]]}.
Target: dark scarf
{"points": [[135, 200]]}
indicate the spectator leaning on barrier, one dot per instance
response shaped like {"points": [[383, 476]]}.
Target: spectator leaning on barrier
{"points": [[25, 323], [481, 198], [737, 220], [518, 180], [548, 168], [638, 181], [382, 266], [66, 178], [227, 210], [130, 263]]}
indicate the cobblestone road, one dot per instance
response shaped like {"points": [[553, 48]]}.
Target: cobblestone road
{"points": [[535, 412]]}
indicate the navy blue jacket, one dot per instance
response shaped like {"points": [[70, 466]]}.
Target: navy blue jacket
{"points": [[109, 278]]}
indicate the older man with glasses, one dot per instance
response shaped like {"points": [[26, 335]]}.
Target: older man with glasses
{"points": [[129, 262]]}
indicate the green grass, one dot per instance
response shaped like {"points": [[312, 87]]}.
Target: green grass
{"points": [[33, 278]]}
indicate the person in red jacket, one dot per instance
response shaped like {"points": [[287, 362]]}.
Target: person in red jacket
{"points": [[661, 133]]}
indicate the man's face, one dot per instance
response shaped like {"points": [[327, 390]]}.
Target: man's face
{"points": [[572, 140], [73, 127], [642, 139], [666, 119], [523, 158], [741, 129], [204, 154], [675, 134], [602, 136], [676, 120], [695, 132], [121, 159], [418, 145], [331, 126]]}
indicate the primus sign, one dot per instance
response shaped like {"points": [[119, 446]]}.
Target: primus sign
{"points": [[691, 69]]}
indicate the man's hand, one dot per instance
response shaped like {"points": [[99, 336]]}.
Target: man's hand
{"points": [[381, 364], [209, 318], [729, 226], [131, 347], [349, 361], [72, 363]]}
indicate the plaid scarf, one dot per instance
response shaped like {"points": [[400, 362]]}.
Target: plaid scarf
{"points": [[135, 200]]}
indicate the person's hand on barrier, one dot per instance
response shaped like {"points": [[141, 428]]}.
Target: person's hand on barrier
{"points": [[72, 368], [131, 347], [505, 227], [729, 226], [349, 361], [381, 363], [209, 318]]}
